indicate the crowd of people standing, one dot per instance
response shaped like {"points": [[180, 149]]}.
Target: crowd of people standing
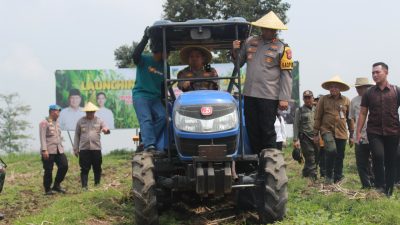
{"points": [[370, 121]]}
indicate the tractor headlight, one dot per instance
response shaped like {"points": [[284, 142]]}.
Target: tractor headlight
{"points": [[226, 122]]}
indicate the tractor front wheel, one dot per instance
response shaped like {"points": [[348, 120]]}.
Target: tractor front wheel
{"points": [[272, 205], [144, 192]]}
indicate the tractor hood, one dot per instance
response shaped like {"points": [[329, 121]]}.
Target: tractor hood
{"points": [[206, 97]]}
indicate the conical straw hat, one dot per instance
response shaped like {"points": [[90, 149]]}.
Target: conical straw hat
{"points": [[362, 81], [185, 52], [271, 21], [90, 107], [338, 81]]}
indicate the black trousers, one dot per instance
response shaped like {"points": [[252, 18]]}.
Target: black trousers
{"points": [[279, 145], [62, 164], [364, 165], [321, 161], [384, 152], [334, 161], [90, 159], [260, 116], [397, 179]]}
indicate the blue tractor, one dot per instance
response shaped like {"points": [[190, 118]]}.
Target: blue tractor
{"points": [[208, 154]]}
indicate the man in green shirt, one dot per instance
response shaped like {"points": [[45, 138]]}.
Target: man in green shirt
{"points": [[147, 93], [303, 130]]}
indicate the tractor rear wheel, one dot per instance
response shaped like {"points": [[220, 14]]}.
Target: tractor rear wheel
{"points": [[272, 206], [144, 192]]}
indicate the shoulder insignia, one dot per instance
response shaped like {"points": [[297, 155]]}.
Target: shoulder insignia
{"points": [[286, 60], [43, 123]]}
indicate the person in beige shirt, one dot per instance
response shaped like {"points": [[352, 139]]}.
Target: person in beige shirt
{"points": [[87, 145], [331, 117], [52, 151]]}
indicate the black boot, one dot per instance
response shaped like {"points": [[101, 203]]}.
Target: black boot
{"points": [[58, 188], [84, 180], [1, 216], [48, 191], [97, 178]]}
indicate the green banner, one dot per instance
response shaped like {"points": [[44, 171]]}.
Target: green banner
{"points": [[111, 90]]}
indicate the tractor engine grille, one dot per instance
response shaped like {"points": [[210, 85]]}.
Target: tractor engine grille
{"points": [[190, 147]]}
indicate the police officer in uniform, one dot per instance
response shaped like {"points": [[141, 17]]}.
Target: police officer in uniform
{"points": [[52, 151], [268, 84], [87, 145], [303, 133]]}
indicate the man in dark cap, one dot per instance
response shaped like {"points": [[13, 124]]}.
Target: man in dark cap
{"points": [[303, 134], [70, 115], [52, 151]]}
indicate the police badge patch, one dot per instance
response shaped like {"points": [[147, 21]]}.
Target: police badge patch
{"points": [[286, 60]]}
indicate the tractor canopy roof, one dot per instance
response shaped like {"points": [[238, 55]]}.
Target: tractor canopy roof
{"points": [[214, 35]]}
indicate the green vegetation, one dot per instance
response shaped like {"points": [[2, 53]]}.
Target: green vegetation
{"points": [[13, 125], [23, 201]]}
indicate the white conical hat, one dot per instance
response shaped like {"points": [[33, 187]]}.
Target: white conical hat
{"points": [[90, 107], [363, 81], [271, 21], [338, 81]]}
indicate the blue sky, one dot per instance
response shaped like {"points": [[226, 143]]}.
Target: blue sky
{"points": [[38, 37]]}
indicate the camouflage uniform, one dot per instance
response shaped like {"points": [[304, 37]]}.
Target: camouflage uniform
{"points": [[303, 131]]}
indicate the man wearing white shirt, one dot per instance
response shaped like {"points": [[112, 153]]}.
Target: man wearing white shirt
{"points": [[362, 149], [69, 116], [105, 114]]}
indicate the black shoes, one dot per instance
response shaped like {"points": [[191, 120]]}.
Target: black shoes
{"points": [[1, 216], [59, 189], [153, 150], [49, 192]]}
